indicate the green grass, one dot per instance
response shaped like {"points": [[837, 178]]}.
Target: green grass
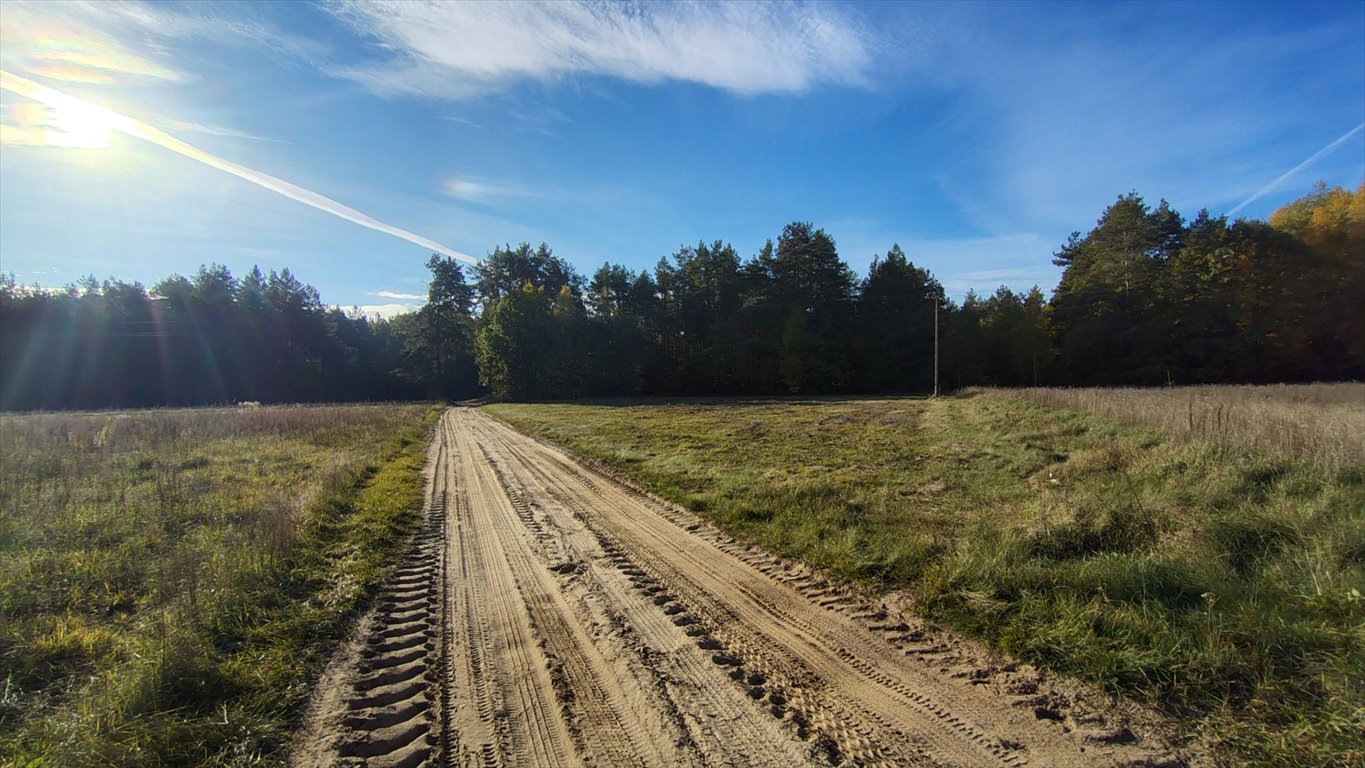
{"points": [[1219, 582], [171, 580]]}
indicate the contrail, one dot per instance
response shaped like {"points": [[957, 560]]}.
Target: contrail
{"points": [[1296, 169], [53, 98]]}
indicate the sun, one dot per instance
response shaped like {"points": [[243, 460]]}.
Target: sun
{"points": [[78, 125], [50, 118]]}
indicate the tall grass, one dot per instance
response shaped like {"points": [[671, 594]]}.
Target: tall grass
{"points": [[1323, 423], [169, 579], [1220, 582]]}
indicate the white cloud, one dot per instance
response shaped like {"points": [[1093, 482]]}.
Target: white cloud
{"points": [[387, 310], [457, 50], [422, 297]]}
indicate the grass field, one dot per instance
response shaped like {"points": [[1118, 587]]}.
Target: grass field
{"points": [[169, 580], [1320, 423], [1218, 580]]}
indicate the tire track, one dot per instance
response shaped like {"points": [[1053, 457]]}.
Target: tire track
{"points": [[599, 725], [506, 712], [547, 615], [383, 704], [861, 695], [791, 687], [725, 722]]}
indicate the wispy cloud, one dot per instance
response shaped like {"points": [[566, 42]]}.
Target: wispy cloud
{"points": [[461, 120], [155, 23], [982, 264], [130, 42], [1289, 173], [92, 114], [980, 216], [458, 50], [400, 296], [1019, 260], [44, 42], [476, 189], [217, 130], [985, 282]]}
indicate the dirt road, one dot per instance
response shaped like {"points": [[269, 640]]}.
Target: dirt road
{"points": [[551, 616]]}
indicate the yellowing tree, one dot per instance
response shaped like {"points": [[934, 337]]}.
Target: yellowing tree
{"points": [[1332, 222]]}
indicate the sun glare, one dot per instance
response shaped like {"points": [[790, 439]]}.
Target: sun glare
{"points": [[82, 126], [54, 119]]}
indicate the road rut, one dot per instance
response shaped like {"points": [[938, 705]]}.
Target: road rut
{"points": [[550, 615]]}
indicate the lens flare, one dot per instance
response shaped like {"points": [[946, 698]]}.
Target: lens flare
{"points": [[92, 123]]}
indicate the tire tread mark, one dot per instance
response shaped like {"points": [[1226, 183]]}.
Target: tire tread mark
{"points": [[742, 742], [603, 728], [953, 732], [498, 647]]}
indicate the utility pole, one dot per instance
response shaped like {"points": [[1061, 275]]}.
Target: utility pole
{"points": [[935, 346]]}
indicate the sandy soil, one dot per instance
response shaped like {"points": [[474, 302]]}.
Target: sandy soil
{"points": [[552, 615]]}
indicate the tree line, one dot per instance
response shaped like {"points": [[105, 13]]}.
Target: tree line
{"points": [[1145, 297], [214, 339]]}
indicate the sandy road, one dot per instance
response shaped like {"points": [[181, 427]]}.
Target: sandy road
{"points": [[551, 616]]}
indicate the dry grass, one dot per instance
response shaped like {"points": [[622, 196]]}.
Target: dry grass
{"points": [[129, 430], [170, 578], [1323, 423]]}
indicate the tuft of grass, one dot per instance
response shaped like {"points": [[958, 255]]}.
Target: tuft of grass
{"points": [[171, 580], [1220, 581]]}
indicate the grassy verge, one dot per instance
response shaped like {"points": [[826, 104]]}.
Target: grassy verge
{"points": [[170, 580], [1221, 583]]}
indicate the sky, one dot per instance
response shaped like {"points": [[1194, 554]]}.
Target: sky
{"points": [[348, 141]]}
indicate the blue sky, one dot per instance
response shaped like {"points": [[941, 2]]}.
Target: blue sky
{"points": [[347, 140]]}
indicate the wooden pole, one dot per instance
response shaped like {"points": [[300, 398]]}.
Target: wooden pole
{"points": [[935, 346]]}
